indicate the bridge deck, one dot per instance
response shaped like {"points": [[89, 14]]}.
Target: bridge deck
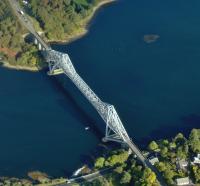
{"points": [[26, 22]]}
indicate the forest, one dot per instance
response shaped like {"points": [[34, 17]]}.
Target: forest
{"points": [[58, 20], [13, 49], [125, 169], [169, 152]]}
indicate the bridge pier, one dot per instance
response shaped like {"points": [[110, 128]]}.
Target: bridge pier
{"points": [[104, 140], [54, 69]]}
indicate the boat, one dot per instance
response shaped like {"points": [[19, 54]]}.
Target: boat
{"points": [[78, 171], [87, 128]]}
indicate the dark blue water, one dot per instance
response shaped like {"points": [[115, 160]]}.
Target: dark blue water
{"points": [[40, 127], [155, 87]]}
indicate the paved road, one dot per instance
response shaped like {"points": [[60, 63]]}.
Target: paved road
{"points": [[146, 162], [89, 177], [26, 22]]}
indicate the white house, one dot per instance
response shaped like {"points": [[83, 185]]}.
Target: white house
{"points": [[25, 2], [153, 160], [183, 181], [182, 164], [196, 159]]}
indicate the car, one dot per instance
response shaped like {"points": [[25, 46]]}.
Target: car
{"points": [[21, 12], [25, 2]]}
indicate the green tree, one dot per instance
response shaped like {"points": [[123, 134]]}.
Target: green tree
{"points": [[194, 140], [153, 146], [149, 177], [172, 145], [137, 172], [196, 173], [161, 166], [101, 181], [164, 152], [99, 163], [168, 175], [119, 169], [182, 152], [126, 178], [179, 139], [117, 158], [61, 18]]}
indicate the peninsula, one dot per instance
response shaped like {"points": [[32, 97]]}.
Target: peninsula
{"points": [[56, 21]]}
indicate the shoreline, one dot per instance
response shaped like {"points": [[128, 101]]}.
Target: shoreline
{"points": [[18, 67], [84, 30], [85, 24]]}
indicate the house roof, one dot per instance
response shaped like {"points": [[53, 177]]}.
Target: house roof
{"points": [[183, 162], [153, 160], [183, 181]]}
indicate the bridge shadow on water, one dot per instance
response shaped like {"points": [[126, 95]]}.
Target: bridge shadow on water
{"points": [[75, 109], [62, 85]]}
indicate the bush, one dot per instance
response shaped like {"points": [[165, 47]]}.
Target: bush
{"points": [[126, 178], [99, 163], [153, 146]]}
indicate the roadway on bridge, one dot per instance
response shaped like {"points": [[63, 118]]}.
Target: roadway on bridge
{"points": [[26, 22]]}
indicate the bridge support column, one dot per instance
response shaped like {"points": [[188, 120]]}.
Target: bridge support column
{"points": [[104, 140]]}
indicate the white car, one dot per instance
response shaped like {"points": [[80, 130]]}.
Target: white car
{"points": [[25, 2], [21, 12]]}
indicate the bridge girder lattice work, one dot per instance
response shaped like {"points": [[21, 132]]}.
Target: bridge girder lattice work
{"points": [[115, 130]]}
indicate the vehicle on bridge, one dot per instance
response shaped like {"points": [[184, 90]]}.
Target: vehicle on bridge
{"points": [[21, 12]]}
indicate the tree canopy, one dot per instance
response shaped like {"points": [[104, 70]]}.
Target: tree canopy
{"points": [[61, 18]]}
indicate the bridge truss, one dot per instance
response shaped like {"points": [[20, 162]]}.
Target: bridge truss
{"points": [[115, 131]]}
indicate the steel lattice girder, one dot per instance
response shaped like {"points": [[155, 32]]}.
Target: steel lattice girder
{"points": [[106, 111]]}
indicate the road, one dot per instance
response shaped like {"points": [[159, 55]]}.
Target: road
{"points": [[26, 22], [146, 162], [93, 176], [89, 177]]}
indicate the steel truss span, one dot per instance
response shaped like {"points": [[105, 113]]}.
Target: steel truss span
{"points": [[115, 131]]}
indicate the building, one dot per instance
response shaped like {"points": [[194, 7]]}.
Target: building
{"points": [[183, 181], [25, 2], [196, 159], [153, 160], [182, 164]]}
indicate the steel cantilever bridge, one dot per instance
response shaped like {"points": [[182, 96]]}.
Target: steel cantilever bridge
{"points": [[115, 131], [61, 63]]}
